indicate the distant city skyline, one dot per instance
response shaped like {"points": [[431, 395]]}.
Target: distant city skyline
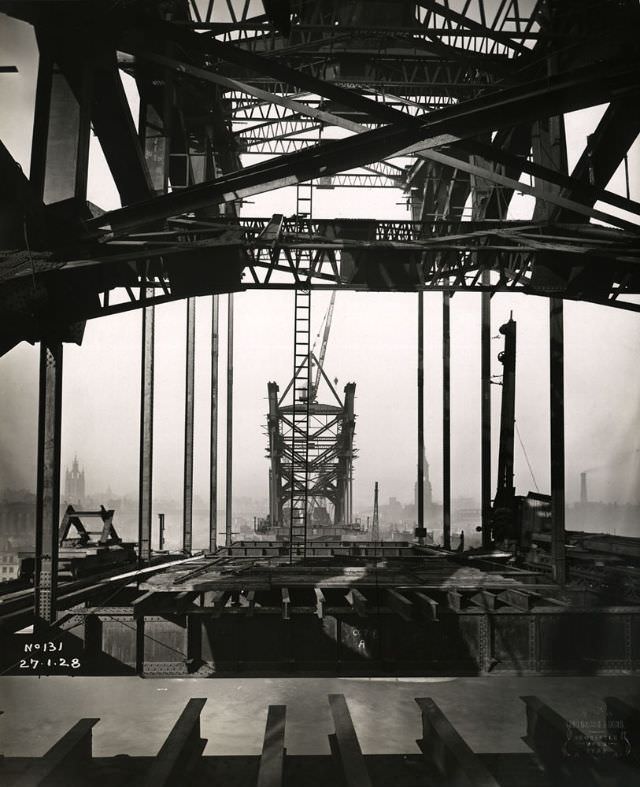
{"points": [[17, 518]]}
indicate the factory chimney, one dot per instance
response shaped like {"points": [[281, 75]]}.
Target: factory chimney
{"points": [[583, 488]]}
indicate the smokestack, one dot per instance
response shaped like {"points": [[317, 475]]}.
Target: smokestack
{"points": [[160, 532], [583, 488]]}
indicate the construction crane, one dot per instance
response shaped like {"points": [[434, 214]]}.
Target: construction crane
{"points": [[319, 361], [504, 501]]}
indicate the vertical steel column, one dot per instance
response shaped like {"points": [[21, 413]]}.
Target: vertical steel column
{"points": [[505, 490], [550, 149], [48, 482], [275, 457], [556, 381], [344, 489], [49, 418], [350, 493], [420, 487], [556, 384], [446, 422], [59, 161], [160, 532], [153, 131], [229, 490], [145, 489], [481, 194], [213, 445], [485, 412], [187, 507]]}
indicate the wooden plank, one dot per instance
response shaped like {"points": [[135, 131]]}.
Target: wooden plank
{"points": [[181, 750], [484, 599], [286, 603], [64, 760], [427, 605], [345, 745], [400, 604], [320, 602], [271, 769], [357, 601], [444, 748]]}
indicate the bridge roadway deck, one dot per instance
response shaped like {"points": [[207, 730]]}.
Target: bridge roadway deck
{"points": [[265, 565]]}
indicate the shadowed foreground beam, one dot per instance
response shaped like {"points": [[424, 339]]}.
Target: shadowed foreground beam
{"points": [[445, 749], [181, 751], [65, 760], [271, 769], [345, 745]]}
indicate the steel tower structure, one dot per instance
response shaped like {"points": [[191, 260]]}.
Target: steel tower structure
{"points": [[311, 451]]}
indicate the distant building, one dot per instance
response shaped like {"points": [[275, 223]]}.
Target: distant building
{"points": [[426, 488], [9, 566], [74, 484]]}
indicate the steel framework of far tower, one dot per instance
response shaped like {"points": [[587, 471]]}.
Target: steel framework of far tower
{"points": [[310, 468]]}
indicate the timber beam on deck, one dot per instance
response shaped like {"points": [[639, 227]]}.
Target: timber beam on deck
{"points": [[181, 752], [445, 749], [345, 746], [65, 760], [272, 759], [579, 751]]}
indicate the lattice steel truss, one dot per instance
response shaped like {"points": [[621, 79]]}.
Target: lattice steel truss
{"points": [[454, 104], [311, 466]]}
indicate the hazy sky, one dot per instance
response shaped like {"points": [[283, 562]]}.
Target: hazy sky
{"points": [[373, 343]]}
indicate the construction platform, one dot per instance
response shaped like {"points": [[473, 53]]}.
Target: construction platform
{"points": [[365, 608]]}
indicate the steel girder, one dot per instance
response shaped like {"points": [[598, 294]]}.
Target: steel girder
{"points": [[492, 57], [540, 98], [405, 47], [350, 254]]}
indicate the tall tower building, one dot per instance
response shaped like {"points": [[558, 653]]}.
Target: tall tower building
{"points": [[426, 488], [74, 484]]}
